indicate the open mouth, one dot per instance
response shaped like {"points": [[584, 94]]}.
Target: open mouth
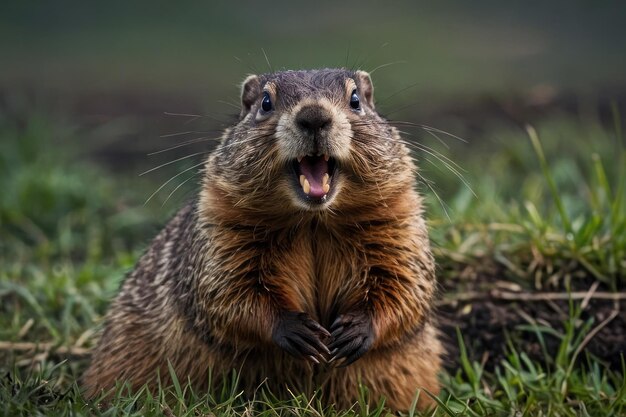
{"points": [[315, 176]]}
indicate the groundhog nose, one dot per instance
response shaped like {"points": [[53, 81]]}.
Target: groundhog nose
{"points": [[313, 119]]}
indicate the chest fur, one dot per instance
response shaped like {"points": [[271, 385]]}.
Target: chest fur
{"points": [[333, 269]]}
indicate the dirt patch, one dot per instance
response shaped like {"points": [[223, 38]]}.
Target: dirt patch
{"points": [[495, 316]]}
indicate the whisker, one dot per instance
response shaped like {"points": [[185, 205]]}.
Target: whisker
{"points": [[228, 103], [422, 147], [167, 113], [192, 117], [443, 132], [386, 65], [170, 180], [384, 99], [369, 56], [267, 60], [447, 162], [411, 142], [175, 189], [357, 62], [239, 142], [433, 134], [450, 168], [250, 65], [441, 203], [189, 132], [418, 125], [171, 162], [433, 129], [189, 142], [399, 109]]}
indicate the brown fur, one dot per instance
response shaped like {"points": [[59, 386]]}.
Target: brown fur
{"points": [[211, 290]]}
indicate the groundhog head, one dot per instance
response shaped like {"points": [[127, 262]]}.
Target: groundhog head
{"points": [[308, 141]]}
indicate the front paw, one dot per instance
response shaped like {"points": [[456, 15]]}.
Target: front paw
{"points": [[352, 336], [301, 336]]}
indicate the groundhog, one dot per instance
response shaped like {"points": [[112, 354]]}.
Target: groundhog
{"points": [[303, 264]]}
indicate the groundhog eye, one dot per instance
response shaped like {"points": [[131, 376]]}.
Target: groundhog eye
{"points": [[354, 101], [266, 104]]}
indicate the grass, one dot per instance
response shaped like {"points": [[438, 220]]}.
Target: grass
{"points": [[549, 213], [561, 215]]}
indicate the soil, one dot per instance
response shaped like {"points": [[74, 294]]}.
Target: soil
{"points": [[487, 310]]}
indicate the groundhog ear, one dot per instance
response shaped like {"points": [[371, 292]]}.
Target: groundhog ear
{"points": [[250, 90], [366, 88]]}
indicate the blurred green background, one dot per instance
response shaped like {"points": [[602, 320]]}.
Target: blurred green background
{"points": [[203, 49], [112, 71]]}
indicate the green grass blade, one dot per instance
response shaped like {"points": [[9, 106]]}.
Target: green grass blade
{"points": [[534, 139]]}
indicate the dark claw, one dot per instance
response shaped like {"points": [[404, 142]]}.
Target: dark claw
{"points": [[321, 346], [301, 336], [335, 324], [313, 359], [356, 355], [349, 347], [352, 336], [341, 339], [288, 347], [347, 360], [317, 327], [306, 349]]}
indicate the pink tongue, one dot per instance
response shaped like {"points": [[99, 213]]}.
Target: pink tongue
{"points": [[314, 168]]}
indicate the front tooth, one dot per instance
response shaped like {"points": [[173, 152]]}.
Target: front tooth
{"points": [[306, 186], [325, 179], [326, 188], [326, 157], [299, 158]]}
